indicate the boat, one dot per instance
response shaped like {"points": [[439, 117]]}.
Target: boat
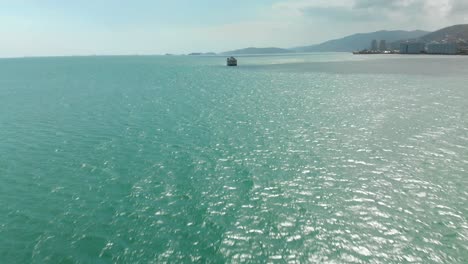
{"points": [[231, 61]]}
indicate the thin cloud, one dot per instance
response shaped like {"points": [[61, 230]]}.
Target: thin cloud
{"points": [[410, 10]]}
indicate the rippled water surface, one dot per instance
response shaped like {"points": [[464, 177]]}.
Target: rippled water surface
{"points": [[286, 159]]}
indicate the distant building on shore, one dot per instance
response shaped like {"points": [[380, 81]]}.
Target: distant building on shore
{"points": [[463, 47], [383, 45], [374, 45], [442, 48], [412, 48], [446, 47]]}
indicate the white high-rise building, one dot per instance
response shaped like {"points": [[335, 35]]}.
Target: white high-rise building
{"points": [[383, 45], [374, 45]]}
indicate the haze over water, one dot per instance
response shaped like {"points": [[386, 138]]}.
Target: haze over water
{"points": [[319, 158]]}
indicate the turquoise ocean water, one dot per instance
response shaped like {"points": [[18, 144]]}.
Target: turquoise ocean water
{"points": [[312, 158]]}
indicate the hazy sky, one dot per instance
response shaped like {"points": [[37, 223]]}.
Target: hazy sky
{"points": [[66, 27]]}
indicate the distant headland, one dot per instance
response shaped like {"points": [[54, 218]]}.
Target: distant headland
{"points": [[202, 54], [457, 34]]}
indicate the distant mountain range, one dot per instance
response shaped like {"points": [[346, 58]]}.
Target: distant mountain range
{"points": [[202, 54], [362, 41], [250, 51]]}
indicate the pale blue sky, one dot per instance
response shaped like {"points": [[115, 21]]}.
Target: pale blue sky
{"points": [[82, 27]]}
